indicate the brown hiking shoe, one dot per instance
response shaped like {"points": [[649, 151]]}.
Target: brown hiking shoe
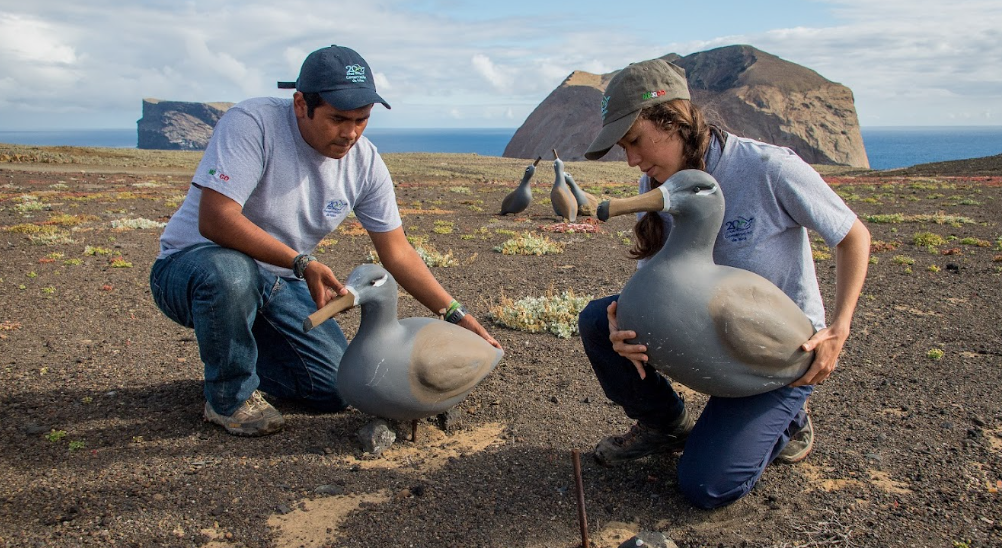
{"points": [[254, 417], [641, 441], [799, 446]]}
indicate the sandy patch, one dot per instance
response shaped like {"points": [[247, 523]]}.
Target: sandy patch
{"points": [[433, 449], [994, 440], [315, 523], [883, 481], [817, 477]]}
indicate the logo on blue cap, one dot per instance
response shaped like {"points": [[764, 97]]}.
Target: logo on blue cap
{"points": [[355, 73], [605, 106]]}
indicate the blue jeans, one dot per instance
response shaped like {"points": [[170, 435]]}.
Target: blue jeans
{"points": [[249, 327], [734, 438]]}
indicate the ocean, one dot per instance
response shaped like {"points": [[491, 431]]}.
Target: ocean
{"points": [[886, 147]]}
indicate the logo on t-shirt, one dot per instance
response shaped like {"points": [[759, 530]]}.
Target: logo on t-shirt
{"points": [[219, 175], [335, 208], [739, 229]]}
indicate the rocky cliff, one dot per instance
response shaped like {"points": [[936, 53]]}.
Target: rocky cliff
{"points": [[745, 90], [178, 125]]}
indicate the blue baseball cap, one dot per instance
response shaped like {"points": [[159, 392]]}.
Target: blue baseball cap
{"points": [[340, 75]]}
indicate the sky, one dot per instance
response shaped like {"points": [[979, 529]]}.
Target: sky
{"points": [[67, 64]]}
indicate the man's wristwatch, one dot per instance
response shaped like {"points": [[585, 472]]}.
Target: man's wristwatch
{"points": [[455, 312], [299, 264]]}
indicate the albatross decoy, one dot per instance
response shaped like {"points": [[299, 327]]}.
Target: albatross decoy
{"points": [[717, 329], [587, 203], [519, 199], [403, 369], [561, 198]]}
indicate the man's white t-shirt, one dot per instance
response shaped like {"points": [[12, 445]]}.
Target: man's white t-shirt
{"points": [[258, 158]]}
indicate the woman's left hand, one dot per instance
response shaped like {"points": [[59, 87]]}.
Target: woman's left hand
{"points": [[826, 345]]}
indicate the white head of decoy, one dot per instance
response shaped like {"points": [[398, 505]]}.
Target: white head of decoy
{"points": [[368, 283], [717, 329]]}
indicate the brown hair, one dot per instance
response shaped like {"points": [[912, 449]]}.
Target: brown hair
{"points": [[682, 117]]}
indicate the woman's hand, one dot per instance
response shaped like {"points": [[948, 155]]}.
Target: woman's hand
{"points": [[826, 345], [633, 352]]}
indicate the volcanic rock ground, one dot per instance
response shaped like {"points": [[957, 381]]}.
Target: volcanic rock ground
{"points": [[103, 442]]}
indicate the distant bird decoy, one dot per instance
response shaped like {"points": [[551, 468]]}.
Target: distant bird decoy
{"points": [[403, 369], [587, 203], [565, 205], [719, 330], [519, 199]]}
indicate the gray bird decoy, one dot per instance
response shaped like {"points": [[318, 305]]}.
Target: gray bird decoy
{"points": [[561, 198], [519, 199], [403, 369], [719, 330], [587, 203]]}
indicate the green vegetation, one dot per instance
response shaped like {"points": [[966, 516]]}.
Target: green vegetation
{"points": [[120, 262], [928, 239], [139, 223], [432, 257], [527, 243], [443, 227], [885, 218], [557, 314], [55, 435], [975, 242], [94, 250], [936, 218]]}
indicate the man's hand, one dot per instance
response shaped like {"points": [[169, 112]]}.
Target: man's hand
{"points": [[324, 286], [471, 323]]}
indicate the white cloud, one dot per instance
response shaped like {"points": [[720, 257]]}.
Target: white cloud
{"points": [[29, 40], [918, 62]]}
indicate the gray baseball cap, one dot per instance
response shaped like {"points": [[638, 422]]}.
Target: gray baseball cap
{"points": [[340, 75], [637, 86]]}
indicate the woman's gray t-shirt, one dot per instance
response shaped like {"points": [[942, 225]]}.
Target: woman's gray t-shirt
{"points": [[772, 197]]}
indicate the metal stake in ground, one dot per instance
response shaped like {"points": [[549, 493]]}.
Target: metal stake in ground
{"points": [[579, 487]]}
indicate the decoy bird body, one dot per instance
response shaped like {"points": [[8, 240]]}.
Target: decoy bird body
{"points": [[561, 198], [403, 369], [587, 203], [519, 199], [719, 330]]}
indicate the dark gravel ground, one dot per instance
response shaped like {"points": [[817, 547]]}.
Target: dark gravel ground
{"points": [[103, 443]]}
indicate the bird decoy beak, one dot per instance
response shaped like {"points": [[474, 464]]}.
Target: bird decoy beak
{"points": [[335, 305], [538, 158], [654, 200]]}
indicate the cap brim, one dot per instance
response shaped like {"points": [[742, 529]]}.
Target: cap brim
{"points": [[351, 99], [610, 135]]}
